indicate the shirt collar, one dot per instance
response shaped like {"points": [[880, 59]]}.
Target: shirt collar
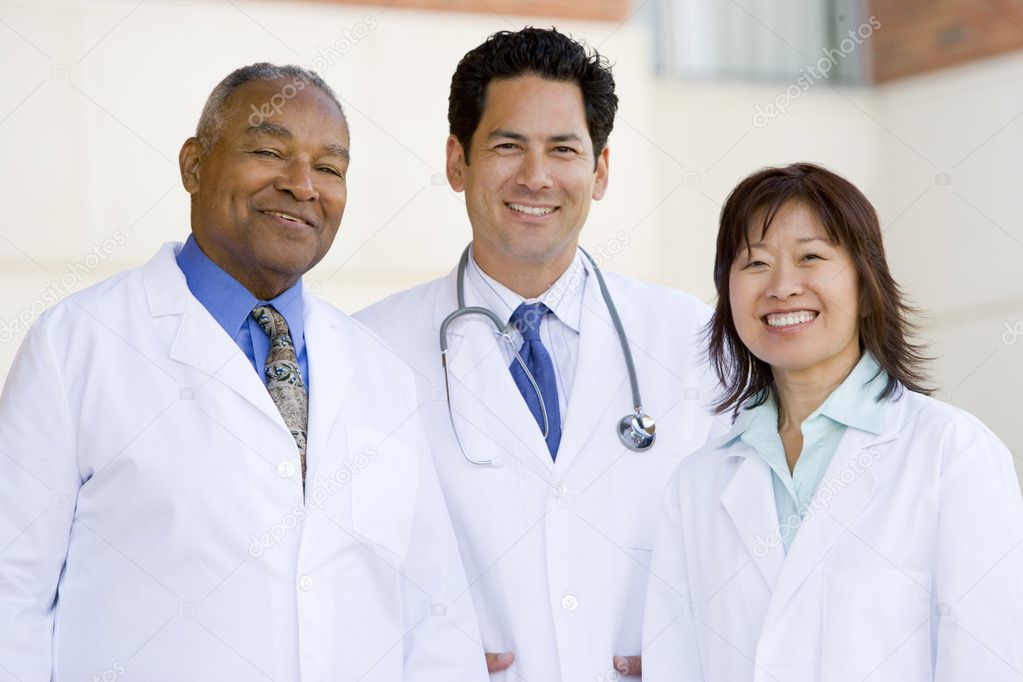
{"points": [[854, 403], [227, 300], [564, 298]]}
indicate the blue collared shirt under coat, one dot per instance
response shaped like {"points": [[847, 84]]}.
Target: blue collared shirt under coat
{"points": [[853, 404], [230, 304]]}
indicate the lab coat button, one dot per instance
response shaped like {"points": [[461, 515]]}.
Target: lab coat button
{"points": [[559, 490], [286, 469], [569, 602], [305, 583]]}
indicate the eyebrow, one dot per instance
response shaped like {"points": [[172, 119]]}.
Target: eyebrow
{"points": [[564, 137], [283, 133], [270, 129], [519, 137], [335, 149], [801, 240]]}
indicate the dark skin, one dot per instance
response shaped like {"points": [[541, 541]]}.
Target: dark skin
{"points": [[268, 197]]}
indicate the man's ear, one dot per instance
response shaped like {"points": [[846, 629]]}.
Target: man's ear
{"points": [[189, 159], [456, 164], [600, 186]]}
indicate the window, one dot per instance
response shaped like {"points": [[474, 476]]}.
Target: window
{"points": [[774, 40]]}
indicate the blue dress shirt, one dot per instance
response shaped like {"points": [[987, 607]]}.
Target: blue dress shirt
{"points": [[230, 304], [852, 404]]}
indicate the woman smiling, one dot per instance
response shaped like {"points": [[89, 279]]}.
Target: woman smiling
{"points": [[847, 527]]}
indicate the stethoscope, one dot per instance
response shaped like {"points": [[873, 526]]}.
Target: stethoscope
{"points": [[636, 431]]}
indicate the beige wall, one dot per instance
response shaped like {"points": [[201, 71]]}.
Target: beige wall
{"points": [[99, 97]]}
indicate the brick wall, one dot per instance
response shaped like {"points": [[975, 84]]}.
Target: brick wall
{"points": [[917, 36], [603, 10]]}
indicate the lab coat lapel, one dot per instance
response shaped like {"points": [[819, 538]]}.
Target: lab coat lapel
{"points": [[847, 486], [594, 405], [199, 341], [748, 500], [331, 365], [484, 398]]}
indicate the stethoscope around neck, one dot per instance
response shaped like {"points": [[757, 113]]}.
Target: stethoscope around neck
{"points": [[636, 431]]}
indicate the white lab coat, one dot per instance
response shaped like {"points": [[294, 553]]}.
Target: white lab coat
{"points": [[908, 567], [150, 487], [557, 553]]}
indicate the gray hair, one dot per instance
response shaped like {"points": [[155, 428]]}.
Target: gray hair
{"points": [[211, 121]]}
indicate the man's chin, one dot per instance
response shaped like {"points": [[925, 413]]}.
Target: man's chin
{"points": [[542, 253], [288, 267]]}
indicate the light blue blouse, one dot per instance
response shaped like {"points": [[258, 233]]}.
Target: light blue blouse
{"points": [[853, 404]]}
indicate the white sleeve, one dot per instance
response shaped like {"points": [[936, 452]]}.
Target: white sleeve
{"points": [[39, 482], [442, 641], [670, 645], [979, 568]]}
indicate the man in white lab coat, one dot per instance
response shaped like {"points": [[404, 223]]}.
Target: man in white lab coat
{"points": [[166, 514], [555, 516]]}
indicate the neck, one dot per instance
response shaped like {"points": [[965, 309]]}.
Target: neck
{"points": [[266, 291], [264, 285], [527, 278], [800, 392], [260, 285]]}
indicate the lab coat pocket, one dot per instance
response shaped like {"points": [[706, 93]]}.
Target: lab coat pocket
{"points": [[385, 483], [876, 626]]}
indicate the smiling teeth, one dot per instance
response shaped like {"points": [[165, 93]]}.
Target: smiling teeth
{"points": [[531, 210], [286, 216], [789, 319]]}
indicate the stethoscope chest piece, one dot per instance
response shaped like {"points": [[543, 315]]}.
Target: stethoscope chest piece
{"points": [[637, 431]]}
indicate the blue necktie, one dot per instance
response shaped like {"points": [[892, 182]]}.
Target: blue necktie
{"points": [[526, 319]]}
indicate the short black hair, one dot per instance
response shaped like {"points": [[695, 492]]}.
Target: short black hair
{"points": [[546, 53]]}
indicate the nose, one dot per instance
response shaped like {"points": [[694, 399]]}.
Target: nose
{"points": [[786, 281], [533, 173], [296, 178]]}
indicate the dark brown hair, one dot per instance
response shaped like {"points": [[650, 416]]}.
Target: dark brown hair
{"points": [[850, 221]]}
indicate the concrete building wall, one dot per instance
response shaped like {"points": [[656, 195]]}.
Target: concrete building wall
{"points": [[99, 96]]}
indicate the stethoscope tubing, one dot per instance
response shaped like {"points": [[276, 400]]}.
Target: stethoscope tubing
{"points": [[631, 430]]}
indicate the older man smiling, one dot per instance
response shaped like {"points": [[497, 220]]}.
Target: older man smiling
{"points": [[210, 475]]}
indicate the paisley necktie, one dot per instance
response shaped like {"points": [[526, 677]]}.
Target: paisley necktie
{"points": [[283, 377]]}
